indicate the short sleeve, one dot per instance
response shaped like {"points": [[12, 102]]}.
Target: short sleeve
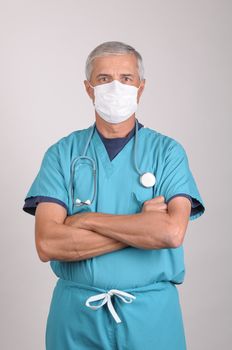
{"points": [[177, 179], [49, 184]]}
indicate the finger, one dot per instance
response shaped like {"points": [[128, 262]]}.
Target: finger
{"points": [[155, 207], [150, 209], [157, 199], [155, 204], [161, 198]]}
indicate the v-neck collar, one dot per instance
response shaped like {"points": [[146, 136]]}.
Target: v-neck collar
{"points": [[116, 144], [110, 165]]}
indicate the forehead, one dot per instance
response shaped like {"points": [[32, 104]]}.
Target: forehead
{"points": [[115, 63]]}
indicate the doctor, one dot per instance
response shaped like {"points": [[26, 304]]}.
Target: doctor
{"points": [[112, 203]]}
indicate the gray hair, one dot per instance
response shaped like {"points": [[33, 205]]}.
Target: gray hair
{"points": [[112, 48]]}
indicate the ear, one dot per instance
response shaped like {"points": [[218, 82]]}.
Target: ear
{"points": [[89, 90], [141, 88]]}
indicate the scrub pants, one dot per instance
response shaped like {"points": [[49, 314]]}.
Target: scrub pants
{"points": [[152, 321]]}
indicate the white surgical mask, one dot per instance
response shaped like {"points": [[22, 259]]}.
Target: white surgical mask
{"points": [[115, 102]]}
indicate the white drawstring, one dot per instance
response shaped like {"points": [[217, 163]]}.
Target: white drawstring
{"points": [[107, 299]]}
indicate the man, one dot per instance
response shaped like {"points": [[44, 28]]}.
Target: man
{"points": [[112, 204]]}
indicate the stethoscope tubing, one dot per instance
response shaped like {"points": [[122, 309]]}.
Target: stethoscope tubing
{"points": [[83, 156]]}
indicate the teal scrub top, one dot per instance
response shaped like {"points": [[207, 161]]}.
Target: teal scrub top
{"points": [[118, 191]]}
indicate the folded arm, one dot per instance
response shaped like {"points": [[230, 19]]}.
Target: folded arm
{"points": [[85, 235], [56, 240], [157, 226]]}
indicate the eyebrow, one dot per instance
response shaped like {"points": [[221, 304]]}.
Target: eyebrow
{"points": [[109, 75], [127, 75], [103, 75]]}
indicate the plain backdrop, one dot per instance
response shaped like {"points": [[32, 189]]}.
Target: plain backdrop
{"points": [[186, 47]]}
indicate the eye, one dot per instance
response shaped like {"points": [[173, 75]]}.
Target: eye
{"points": [[127, 79], [103, 79]]}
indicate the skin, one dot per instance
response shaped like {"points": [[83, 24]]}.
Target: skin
{"points": [[85, 235]]}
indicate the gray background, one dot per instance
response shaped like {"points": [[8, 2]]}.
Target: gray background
{"points": [[186, 46]]}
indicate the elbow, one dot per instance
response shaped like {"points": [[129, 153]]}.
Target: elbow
{"points": [[43, 257], [41, 248], [176, 238], [171, 236], [42, 253]]}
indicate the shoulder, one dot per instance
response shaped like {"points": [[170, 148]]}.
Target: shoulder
{"points": [[67, 142], [166, 143]]}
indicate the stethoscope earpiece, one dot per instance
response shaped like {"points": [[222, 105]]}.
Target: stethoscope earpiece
{"points": [[79, 202]]}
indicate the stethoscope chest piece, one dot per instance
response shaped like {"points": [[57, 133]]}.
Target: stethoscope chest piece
{"points": [[147, 179]]}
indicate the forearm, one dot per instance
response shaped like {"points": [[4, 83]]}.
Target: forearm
{"points": [[68, 243], [147, 230]]}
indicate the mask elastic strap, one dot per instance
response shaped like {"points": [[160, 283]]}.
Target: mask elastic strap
{"points": [[90, 85]]}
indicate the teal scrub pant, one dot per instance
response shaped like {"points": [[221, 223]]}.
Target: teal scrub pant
{"points": [[152, 321]]}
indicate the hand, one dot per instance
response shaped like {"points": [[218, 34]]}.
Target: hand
{"points": [[155, 204]]}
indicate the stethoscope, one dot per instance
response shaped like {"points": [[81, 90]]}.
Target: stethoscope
{"points": [[147, 179]]}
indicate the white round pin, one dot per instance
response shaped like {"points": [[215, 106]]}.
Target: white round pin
{"points": [[147, 179]]}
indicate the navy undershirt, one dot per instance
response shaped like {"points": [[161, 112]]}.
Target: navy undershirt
{"points": [[113, 147]]}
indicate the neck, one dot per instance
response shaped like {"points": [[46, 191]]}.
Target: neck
{"points": [[115, 130]]}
